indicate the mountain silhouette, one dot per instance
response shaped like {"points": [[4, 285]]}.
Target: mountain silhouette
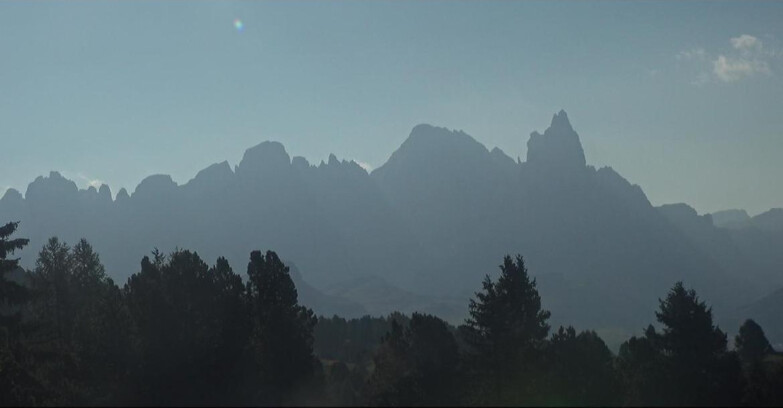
{"points": [[424, 228]]}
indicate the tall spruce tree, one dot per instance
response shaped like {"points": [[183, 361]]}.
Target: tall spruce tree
{"points": [[416, 365], [507, 332], [12, 294], [82, 339], [282, 331], [690, 356], [580, 369], [18, 383], [187, 317]]}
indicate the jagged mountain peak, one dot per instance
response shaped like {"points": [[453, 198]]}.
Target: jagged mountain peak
{"points": [[266, 156], [12, 194], [429, 147], [155, 184], [217, 173], [55, 185], [122, 195], [105, 192], [558, 147]]}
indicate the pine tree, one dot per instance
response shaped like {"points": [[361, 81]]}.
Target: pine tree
{"points": [[688, 362], [282, 333], [702, 369], [416, 365], [390, 383], [580, 369], [187, 318], [507, 331], [12, 294], [18, 383]]}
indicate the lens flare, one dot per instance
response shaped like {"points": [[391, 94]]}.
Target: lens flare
{"points": [[238, 24]]}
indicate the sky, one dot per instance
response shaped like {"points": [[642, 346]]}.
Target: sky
{"points": [[683, 98]]}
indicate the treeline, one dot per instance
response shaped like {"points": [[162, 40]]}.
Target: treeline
{"points": [[181, 332]]}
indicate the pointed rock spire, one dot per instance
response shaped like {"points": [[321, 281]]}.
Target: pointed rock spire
{"points": [[558, 147]]}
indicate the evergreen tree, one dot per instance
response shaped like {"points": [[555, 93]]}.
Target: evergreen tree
{"points": [[642, 368], [703, 371], [82, 338], [689, 359], [282, 330], [187, 319], [18, 383], [435, 359], [12, 294], [417, 365], [391, 381], [507, 331], [580, 369], [53, 313]]}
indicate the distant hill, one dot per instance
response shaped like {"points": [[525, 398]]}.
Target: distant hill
{"points": [[771, 220], [731, 219], [421, 231], [324, 304]]}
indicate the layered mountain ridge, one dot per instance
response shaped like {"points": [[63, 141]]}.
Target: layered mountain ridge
{"points": [[429, 223]]}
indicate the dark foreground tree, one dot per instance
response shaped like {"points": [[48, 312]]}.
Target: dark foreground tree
{"points": [[506, 333], [417, 365], [281, 340], [688, 363], [18, 384], [580, 370], [12, 294], [188, 319], [82, 336]]}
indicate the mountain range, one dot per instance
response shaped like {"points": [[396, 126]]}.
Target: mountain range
{"points": [[421, 231]]}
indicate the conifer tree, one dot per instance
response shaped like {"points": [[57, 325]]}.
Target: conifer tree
{"points": [[282, 331], [507, 331], [12, 294], [18, 383], [689, 358]]}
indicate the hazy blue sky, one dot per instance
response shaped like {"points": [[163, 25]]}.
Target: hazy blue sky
{"points": [[683, 98]]}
